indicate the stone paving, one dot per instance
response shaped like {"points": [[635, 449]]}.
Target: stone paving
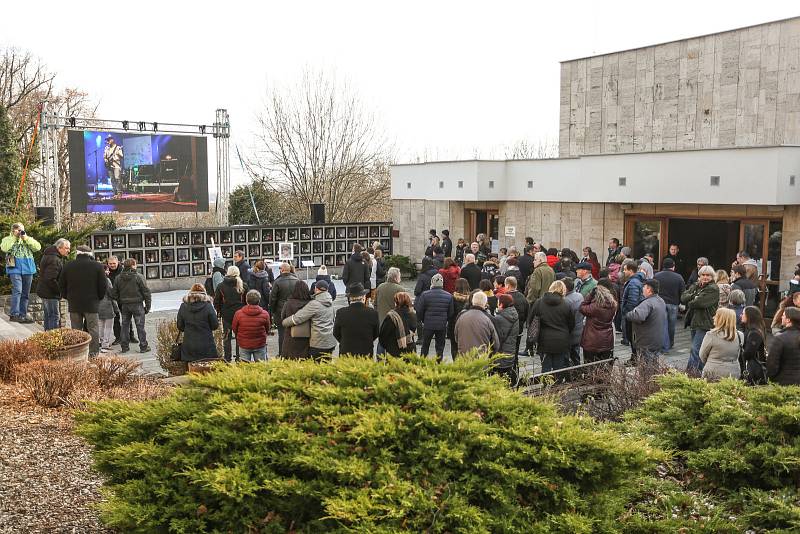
{"points": [[165, 306]]}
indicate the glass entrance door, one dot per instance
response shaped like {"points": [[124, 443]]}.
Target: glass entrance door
{"points": [[646, 237]]}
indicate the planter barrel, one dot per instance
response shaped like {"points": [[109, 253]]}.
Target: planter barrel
{"points": [[203, 366], [76, 353]]}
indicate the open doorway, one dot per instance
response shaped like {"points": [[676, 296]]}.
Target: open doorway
{"points": [[717, 240], [483, 222]]}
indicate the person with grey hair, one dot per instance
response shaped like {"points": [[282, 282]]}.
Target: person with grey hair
{"points": [[384, 297], [736, 302], [701, 300], [83, 283], [435, 309], [50, 267], [540, 279], [251, 325], [475, 328], [471, 272], [701, 262], [19, 247]]}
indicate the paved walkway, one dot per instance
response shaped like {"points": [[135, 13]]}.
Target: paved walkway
{"points": [[165, 306]]}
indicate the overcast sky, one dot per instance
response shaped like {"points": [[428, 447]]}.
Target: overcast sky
{"points": [[446, 77]]}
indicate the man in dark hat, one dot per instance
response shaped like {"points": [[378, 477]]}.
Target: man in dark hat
{"points": [[585, 282], [356, 326], [447, 244]]}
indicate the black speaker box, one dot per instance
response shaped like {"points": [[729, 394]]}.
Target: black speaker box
{"points": [[46, 214], [317, 213]]}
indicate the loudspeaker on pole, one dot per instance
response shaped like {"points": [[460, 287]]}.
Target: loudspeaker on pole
{"points": [[317, 213]]}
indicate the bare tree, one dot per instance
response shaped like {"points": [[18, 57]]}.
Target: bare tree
{"points": [[316, 143], [541, 149]]}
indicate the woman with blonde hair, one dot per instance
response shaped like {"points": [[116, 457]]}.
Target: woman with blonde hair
{"points": [[721, 346], [556, 322], [228, 299], [724, 285]]}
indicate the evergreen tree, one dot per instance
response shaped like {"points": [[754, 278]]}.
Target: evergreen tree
{"points": [[272, 206], [10, 169]]}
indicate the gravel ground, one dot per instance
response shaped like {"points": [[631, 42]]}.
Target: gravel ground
{"points": [[46, 483]]}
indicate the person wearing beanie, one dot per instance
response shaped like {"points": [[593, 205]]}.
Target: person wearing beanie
{"points": [[322, 274], [434, 309], [84, 284]]}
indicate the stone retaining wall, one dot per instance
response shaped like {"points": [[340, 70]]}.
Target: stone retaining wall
{"points": [[35, 309]]}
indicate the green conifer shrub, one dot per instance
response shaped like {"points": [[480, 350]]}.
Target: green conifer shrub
{"points": [[409, 446]]}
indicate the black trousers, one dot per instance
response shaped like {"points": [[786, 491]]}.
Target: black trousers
{"points": [[118, 328], [441, 337]]}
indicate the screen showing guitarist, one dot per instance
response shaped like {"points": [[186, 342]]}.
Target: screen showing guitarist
{"points": [[112, 157]]}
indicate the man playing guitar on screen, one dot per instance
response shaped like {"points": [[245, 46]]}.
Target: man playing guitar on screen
{"points": [[112, 157]]}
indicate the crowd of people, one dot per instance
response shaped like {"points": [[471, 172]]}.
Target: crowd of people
{"points": [[558, 305]]}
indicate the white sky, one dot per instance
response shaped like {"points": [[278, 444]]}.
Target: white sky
{"points": [[446, 77]]}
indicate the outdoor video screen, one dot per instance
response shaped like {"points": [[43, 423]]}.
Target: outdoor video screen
{"points": [[137, 172]]}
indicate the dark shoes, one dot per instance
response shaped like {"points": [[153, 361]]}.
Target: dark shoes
{"points": [[116, 341], [144, 349], [25, 320], [123, 350], [13, 319]]}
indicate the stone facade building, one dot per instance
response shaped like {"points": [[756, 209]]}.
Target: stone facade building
{"points": [[694, 141]]}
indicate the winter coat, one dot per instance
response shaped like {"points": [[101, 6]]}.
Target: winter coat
{"points": [[387, 336], [475, 330], [356, 272], [424, 280], [506, 324], [598, 328], [556, 322], [83, 283], [384, 298], [702, 304], [783, 358], [489, 270], [753, 346], [749, 288], [450, 275], [218, 272], [293, 347], [539, 282], [434, 308], [281, 291], [373, 273], [50, 268], [259, 280], [649, 320], [552, 261], [447, 247], [356, 327], [614, 272], [720, 357], [612, 253], [459, 303], [227, 300], [251, 325], [197, 319], [574, 301], [22, 250], [632, 293], [108, 308], [525, 265], [131, 288], [670, 286], [680, 265], [521, 304], [331, 285], [472, 274], [320, 312], [724, 293], [244, 271]]}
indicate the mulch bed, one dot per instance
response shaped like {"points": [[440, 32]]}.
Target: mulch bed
{"points": [[46, 480]]}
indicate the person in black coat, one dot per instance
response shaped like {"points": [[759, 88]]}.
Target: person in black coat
{"points": [[242, 265], [556, 322], [525, 264], [197, 319], [355, 271], [83, 283], [471, 272], [259, 280], [424, 277], [49, 271], [447, 244], [356, 326], [229, 298]]}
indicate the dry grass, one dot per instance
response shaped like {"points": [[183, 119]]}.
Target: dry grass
{"points": [[114, 371], [12, 354], [50, 382]]}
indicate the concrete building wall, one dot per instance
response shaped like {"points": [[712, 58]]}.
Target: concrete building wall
{"points": [[735, 88]]}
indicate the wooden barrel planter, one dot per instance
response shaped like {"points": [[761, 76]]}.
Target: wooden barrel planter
{"points": [[203, 366], [78, 352]]}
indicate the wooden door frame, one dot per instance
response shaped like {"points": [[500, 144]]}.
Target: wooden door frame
{"points": [[472, 218]]}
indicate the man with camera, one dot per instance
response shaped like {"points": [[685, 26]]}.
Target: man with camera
{"points": [[20, 268]]}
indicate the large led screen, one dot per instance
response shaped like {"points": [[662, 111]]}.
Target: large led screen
{"points": [[137, 172]]}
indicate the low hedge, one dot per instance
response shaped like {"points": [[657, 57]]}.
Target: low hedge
{"points": [[409, 446]]}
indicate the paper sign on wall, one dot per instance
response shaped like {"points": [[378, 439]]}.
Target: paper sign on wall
{"points": [[511, 231]]}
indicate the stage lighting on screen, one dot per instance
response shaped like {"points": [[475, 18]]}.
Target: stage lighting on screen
{"points": [[137, 172]]}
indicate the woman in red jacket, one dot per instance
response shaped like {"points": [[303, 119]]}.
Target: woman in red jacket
{"points": [[251, 325], [589, 256], [450, 272]]}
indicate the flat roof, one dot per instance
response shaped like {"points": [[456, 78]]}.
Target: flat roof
{"points": [[679, 40], [593, 155]]}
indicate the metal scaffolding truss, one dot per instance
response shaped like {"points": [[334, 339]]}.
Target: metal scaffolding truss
{"points": [[47, 187]]}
